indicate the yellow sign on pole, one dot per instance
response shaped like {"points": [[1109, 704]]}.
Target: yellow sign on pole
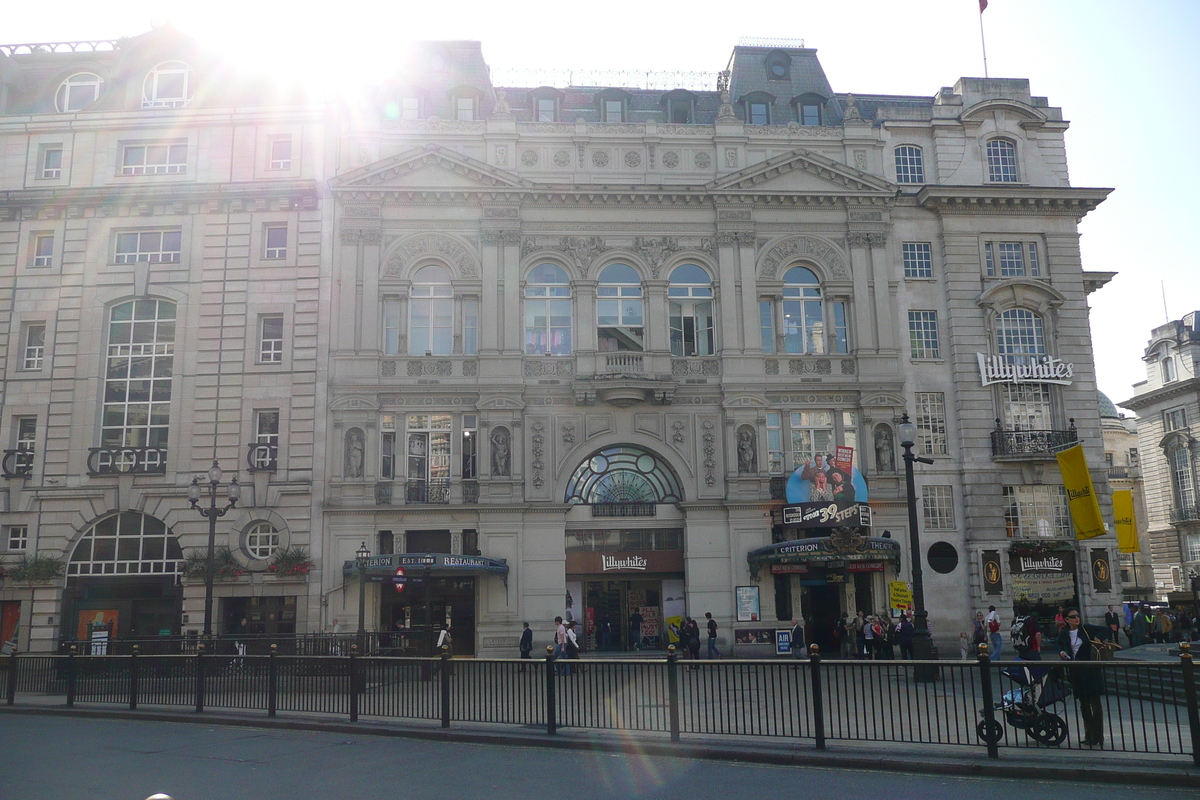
{"points": [[901, 595], [1127, 532], [1081, 497]]}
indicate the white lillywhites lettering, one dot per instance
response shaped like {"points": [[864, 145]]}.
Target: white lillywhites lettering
{"points": [[1039, 369], [630, 562]]}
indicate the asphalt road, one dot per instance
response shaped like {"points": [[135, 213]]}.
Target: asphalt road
{"points": [[53, 758]]}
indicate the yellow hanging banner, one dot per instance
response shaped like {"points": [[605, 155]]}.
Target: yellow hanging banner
{"points": [[1081, 497], [1127, 532]]}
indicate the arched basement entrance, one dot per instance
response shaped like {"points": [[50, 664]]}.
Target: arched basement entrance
{"points": [[624, 559], [123, 578]]}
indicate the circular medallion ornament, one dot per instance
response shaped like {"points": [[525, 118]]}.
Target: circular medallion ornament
{"points": [[703, 160], [600, 158], [562, 158], [529, 158], [633, 159], [670, 159]]}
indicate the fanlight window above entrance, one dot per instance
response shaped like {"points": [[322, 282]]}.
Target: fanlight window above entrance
{"points": [[127, 544], [623, 475]]}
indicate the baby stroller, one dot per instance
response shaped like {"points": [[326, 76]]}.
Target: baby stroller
{"points": [[1028, 705]]}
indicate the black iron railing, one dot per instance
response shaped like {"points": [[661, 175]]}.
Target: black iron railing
{"points": [[1027, 443], [624, 510], [262, 457], [1145, 708], [1181, 514], [432, 491], [120, 460], [17, 463], [778, 488]]}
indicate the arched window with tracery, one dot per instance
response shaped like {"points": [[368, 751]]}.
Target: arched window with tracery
{"points": [[623, 474], [128, 543], [547, 311], [1183, 477], [691, 296], [620, 317], [811, 323]]}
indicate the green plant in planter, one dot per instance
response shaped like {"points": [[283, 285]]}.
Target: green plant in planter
{"points": [[1040, 547], [36, 568], [291, 561], [225, 564]]}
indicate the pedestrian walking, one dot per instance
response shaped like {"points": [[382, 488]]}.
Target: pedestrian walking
{"points": [[860, 641], [713, 652], [979, 630], [904, 637], [1112, 621], [694, 639], [560, 643], [995, 641], [526, 644], [885, 645], [1025, 634], [871, 633], [635, 631], [685, 635], [570, 647], [1075, 643], [798, 647]]}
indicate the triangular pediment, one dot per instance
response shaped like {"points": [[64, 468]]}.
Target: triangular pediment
{"points": [[430, 168], [801, 172]]}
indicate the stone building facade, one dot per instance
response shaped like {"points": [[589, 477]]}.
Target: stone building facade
{"points": [[560, 350], [1168, 405]]}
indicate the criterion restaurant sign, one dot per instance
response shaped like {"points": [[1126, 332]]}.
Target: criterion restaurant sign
{"points": [[1039, 369]]}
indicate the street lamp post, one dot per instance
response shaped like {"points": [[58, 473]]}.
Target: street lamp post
{"points": [[363, 554], [212, 513], [1194, 578], [922, 644]]}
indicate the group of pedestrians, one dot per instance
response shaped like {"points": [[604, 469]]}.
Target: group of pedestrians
{"points": [[1161, 626], [875, 637]]}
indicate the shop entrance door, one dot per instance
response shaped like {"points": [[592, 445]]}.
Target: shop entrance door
{"points": [[617, 601], [823, 605], [415, 616]]}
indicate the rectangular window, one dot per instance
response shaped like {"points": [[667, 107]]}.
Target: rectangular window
{"points": [[470, 311], [680, 112], [154, 159], [387, 447], [691, 328], [1011, 259], [1174, 419], [810, 115], [1002, 161], [1026, 407], [931, 423], [545, 109], [35, 346], [427, 446], [26, 429], [276, 240], [16, 537], [918, 259], [1036, 511], [923, 334], [266, 435], [464, 109], [1191, 547], [811, 436], [391, 327], [43, 250], [387, 543], [410, 108], [774, 442], [151, 246], [613, 111], [270, 339], [431, 320], [52, 162], [759, 114], [766, 324], [470, 446], [938, 505], [281, 154]]}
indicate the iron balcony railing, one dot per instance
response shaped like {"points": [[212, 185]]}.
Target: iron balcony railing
{"points": [[624, 510], [17, 463], [435, 491], [1183, 514], [262, 456], [1029, 443], [121, 460]]}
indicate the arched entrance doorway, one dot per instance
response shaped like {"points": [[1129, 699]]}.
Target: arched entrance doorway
{"points": [[625, 575], [123, 580]]}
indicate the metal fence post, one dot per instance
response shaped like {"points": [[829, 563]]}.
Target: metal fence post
{"points": [[989, 730], [445, 686], [354, 683], [818, 696], [71, 676], [1189, 690], [200, 679], [133, 678], [551, 713], [673, 690], [11, 692], [272, 681]]}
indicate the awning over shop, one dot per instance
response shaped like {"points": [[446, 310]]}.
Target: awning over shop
{"points": [[839, 549], [383, 568]]}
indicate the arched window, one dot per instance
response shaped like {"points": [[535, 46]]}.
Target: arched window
{"points": [[691, 296], [1168, 367], [262, 540], [620, 321], [137, 387], [548, 311], [431, 313], [169, 85], [1183, 477], [810, 324], [78, 91], [624, 474], [1002, 161], [128, 543], [910, 164]]}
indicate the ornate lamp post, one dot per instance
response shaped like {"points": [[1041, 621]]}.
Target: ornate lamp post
{"points": [[362, 555], [1194, 578], [212, 513], [922, 644]]}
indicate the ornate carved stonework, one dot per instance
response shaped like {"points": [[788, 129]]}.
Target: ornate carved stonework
{"points": [[501, 212], [562, 158], [733, 214], [710, 450], [794, 246], [568, 433], [670, 159], [656, 251], [633, 159], [388, 369], [361, 236], [866, 238], [435, 244], [810, 366], [688, 366], [470, 369], [771, 366], [731, 158], [440, 368], [677, 435], [703, 160], [552, 367], [848, 366], [600, 158], [583, 249], [538, 451]]}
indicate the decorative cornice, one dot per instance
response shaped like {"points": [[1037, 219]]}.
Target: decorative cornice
{"points": [[1191, 386], [151, 199], [1011, 200]]}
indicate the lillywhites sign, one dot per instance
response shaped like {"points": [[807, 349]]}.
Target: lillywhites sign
{"points": [[1040, 369], [629, 562], [1041, 564]]}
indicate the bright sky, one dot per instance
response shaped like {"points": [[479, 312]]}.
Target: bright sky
{"points": [[1124, 74]]}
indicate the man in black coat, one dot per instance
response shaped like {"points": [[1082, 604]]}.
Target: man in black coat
{"points": [[526, 643]]}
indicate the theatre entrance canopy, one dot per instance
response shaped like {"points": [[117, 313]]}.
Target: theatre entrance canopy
{"points": [[384, 568], [844, 549]]}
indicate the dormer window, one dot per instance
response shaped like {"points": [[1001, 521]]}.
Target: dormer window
{"points": [[810, 109], [757, 108], [779, 65], [1168, 368], [466, 103], [546, 109], [169, 85], [614, 111], [410, 108], [613, 105], [464, 109], [78, 91], [679, 107]]}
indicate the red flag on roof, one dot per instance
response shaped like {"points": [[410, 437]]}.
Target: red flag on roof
{"points": [[982, 5]]}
